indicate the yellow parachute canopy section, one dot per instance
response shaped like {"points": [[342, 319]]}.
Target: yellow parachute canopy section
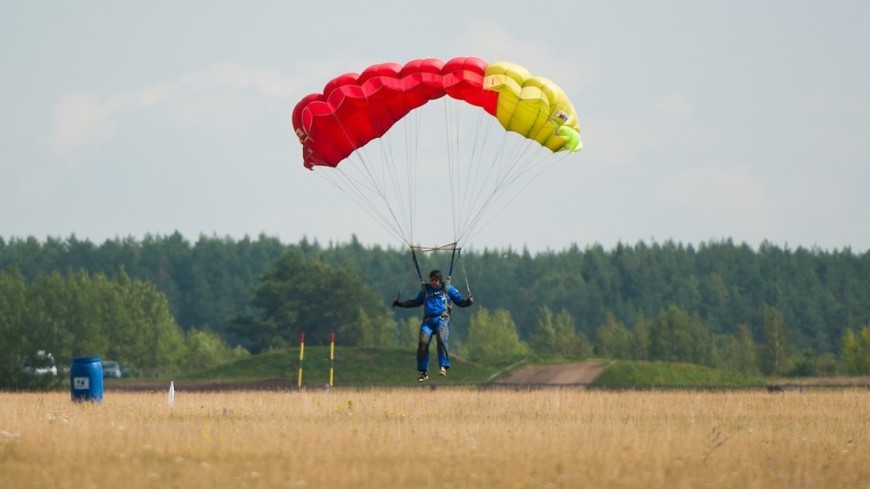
{"points": [[533, 106]]}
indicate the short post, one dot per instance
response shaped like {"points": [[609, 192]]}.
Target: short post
{"points": [[331, 355], [301, 357]]}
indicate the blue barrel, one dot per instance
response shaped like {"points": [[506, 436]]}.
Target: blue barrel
{"points": [[86, 379]]}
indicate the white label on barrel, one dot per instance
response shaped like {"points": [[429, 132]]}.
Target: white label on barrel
{"points": [[80, 383]]}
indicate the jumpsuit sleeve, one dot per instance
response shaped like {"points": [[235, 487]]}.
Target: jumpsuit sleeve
{"points": [[415, 302], [457, 298]]}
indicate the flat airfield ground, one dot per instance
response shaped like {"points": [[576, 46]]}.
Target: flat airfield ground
{"points": [[445, 437]]}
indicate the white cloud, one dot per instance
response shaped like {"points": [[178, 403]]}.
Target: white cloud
{"points": [[87, 119], [265, 81], [83, 119]]}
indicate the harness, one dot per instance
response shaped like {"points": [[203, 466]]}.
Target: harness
{"points": [[444, 296], [456, 251]]}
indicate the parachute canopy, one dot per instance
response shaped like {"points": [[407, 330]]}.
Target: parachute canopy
{"points": [[348, 136], [354, 109]]}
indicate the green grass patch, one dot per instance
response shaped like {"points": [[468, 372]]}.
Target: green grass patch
{"points": [[662, 375], [352, 366], [362, 367]]}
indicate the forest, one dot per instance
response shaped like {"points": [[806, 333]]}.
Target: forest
{"points": [[769, 309]]}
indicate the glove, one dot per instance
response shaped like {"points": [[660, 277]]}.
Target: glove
{"points": [[470, 300], [396, 303]]}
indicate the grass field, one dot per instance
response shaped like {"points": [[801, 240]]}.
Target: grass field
{"points": [[457, 437]]}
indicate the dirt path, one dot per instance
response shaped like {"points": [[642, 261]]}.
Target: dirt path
{"points": [[563, 374]]}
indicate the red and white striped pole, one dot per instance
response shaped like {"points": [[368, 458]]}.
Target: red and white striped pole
{"points": [[331, 355]]}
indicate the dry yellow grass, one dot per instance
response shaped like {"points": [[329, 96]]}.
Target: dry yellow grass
{"points": [[418, 438]]}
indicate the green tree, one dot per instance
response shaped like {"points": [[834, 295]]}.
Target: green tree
{"points": [[855, 349], [307, 295], [776, 349], [205, 349], [83, 315], [677, 336], [747, 353], [804, 364], [161, 349], [669, 335], [569, 341], [613, 339], [640, 339], [543, 338], [129, 338], [741, 353], [493, 337], [210, 281], [17, 347], [366, 332]]}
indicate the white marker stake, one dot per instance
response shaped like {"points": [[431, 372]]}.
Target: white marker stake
{"points": [[171, 397]]}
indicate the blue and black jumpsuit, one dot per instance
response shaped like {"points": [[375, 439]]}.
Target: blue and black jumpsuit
{"points": [[436, 302]]}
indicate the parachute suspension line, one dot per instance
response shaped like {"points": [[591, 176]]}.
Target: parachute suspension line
{"points": [[392, 190], [456, 256], [377, 176], [465, 275], [352, 188], [475, 181], [361, 180], [499, 175], [398, 195], [416, 264], [394, 181], [386, 191], [467, 179], [412, 124], [486, 194], [452, 130], [476, 186], [453, 260], [523, 157], [539, 168]]}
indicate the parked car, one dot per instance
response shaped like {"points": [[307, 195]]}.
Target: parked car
{"points": [[111, 369], [42, 364]]}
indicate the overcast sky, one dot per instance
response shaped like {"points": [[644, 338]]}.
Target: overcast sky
{"points": [[710, 120]]}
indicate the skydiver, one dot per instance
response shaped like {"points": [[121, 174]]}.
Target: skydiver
{"points": [[437, 301]]}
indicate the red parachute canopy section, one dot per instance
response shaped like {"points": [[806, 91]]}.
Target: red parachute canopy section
{"points": [[362, 107]]}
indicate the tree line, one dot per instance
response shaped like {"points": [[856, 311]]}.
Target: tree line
{"points": [[770, 309], [62, 316]]}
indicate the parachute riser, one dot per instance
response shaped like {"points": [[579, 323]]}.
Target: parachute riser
{"points": [[455, 256], [452, 247]]}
